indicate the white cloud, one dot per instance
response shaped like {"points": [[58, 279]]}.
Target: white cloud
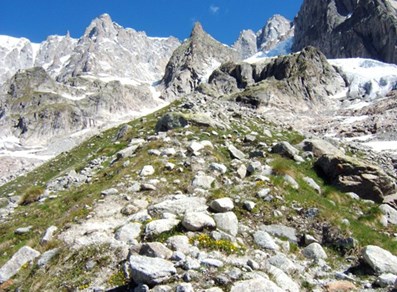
{"points": [[214, 9]]}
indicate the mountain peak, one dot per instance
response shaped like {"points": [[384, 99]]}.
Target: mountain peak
{"points": [[197, 29], [100, 26]]}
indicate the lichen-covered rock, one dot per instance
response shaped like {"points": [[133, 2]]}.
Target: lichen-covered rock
{"points": [[352, 175]]}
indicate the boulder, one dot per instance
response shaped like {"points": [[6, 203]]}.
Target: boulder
{"points": [[380, 260], [340, 286], [203, 181], [314, 251], [264, 240], [155, 250], [320, 147], [285, 149], [196, 221], [150, 271], [157, 227], [390, 213], [235, 153], [21, 257], [47, 256], [129, 232], [218, 167], [222, 205], [147, 170], [227, 222], [352, 175], [282, 279]]}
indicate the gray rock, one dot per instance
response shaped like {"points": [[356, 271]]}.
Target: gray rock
{"points": [[127, 152], [227, 222], [23, 230], [249, 205], [155, 250], [320, 147], [386, 280], [352, 175], [222, 205], [282, 279], [235, 153], [110, 192], [255, 285], [157, 227], [22, 256], [179, 243], [196, 221], [282, 262], [390, 213], [348, 29], [281, 231], [212, 263], [129, 232], [380, 260], [147, 170], [291, 181], [264, 240], [285, 149], [218, 167], [195, 147], [203, 181], [314, 251], [242, 171], [49, 233], [171, 121], [179, 205], [312, 184], [150, 271], [47, 256], [184, 287]]}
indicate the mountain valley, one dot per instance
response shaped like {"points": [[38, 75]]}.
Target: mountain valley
{"points": [[136, 163]]}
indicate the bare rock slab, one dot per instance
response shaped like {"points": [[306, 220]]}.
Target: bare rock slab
{"points": [[150, 271], [22, 256], [379, 259]]}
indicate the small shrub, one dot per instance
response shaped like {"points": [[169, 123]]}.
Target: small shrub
{"points": [[205, 241], [118, 279], [32, 194]]}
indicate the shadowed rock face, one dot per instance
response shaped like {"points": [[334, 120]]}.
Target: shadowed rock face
{"points": [[349, 28]]}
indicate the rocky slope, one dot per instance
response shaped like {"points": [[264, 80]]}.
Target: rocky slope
{"points": [[274, 39], [346, 29], [221, 201]]}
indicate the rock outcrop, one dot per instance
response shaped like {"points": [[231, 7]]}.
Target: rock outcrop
{"points": [[193, 62], [352, 175], [348, 28], [273, 39], [296, 81]]}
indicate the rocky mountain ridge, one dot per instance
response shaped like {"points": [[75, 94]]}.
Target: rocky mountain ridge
{"points": [[275, 38], [346, 29], [228, 188]]}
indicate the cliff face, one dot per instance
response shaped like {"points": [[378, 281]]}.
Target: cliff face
{"points": [[349, 28], [193, 61]]}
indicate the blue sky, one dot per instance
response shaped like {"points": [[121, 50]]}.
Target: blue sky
{"points": [[223, 19]]}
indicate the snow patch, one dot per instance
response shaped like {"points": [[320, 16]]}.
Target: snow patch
{"points": [[367, 78], [380, 146]]}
